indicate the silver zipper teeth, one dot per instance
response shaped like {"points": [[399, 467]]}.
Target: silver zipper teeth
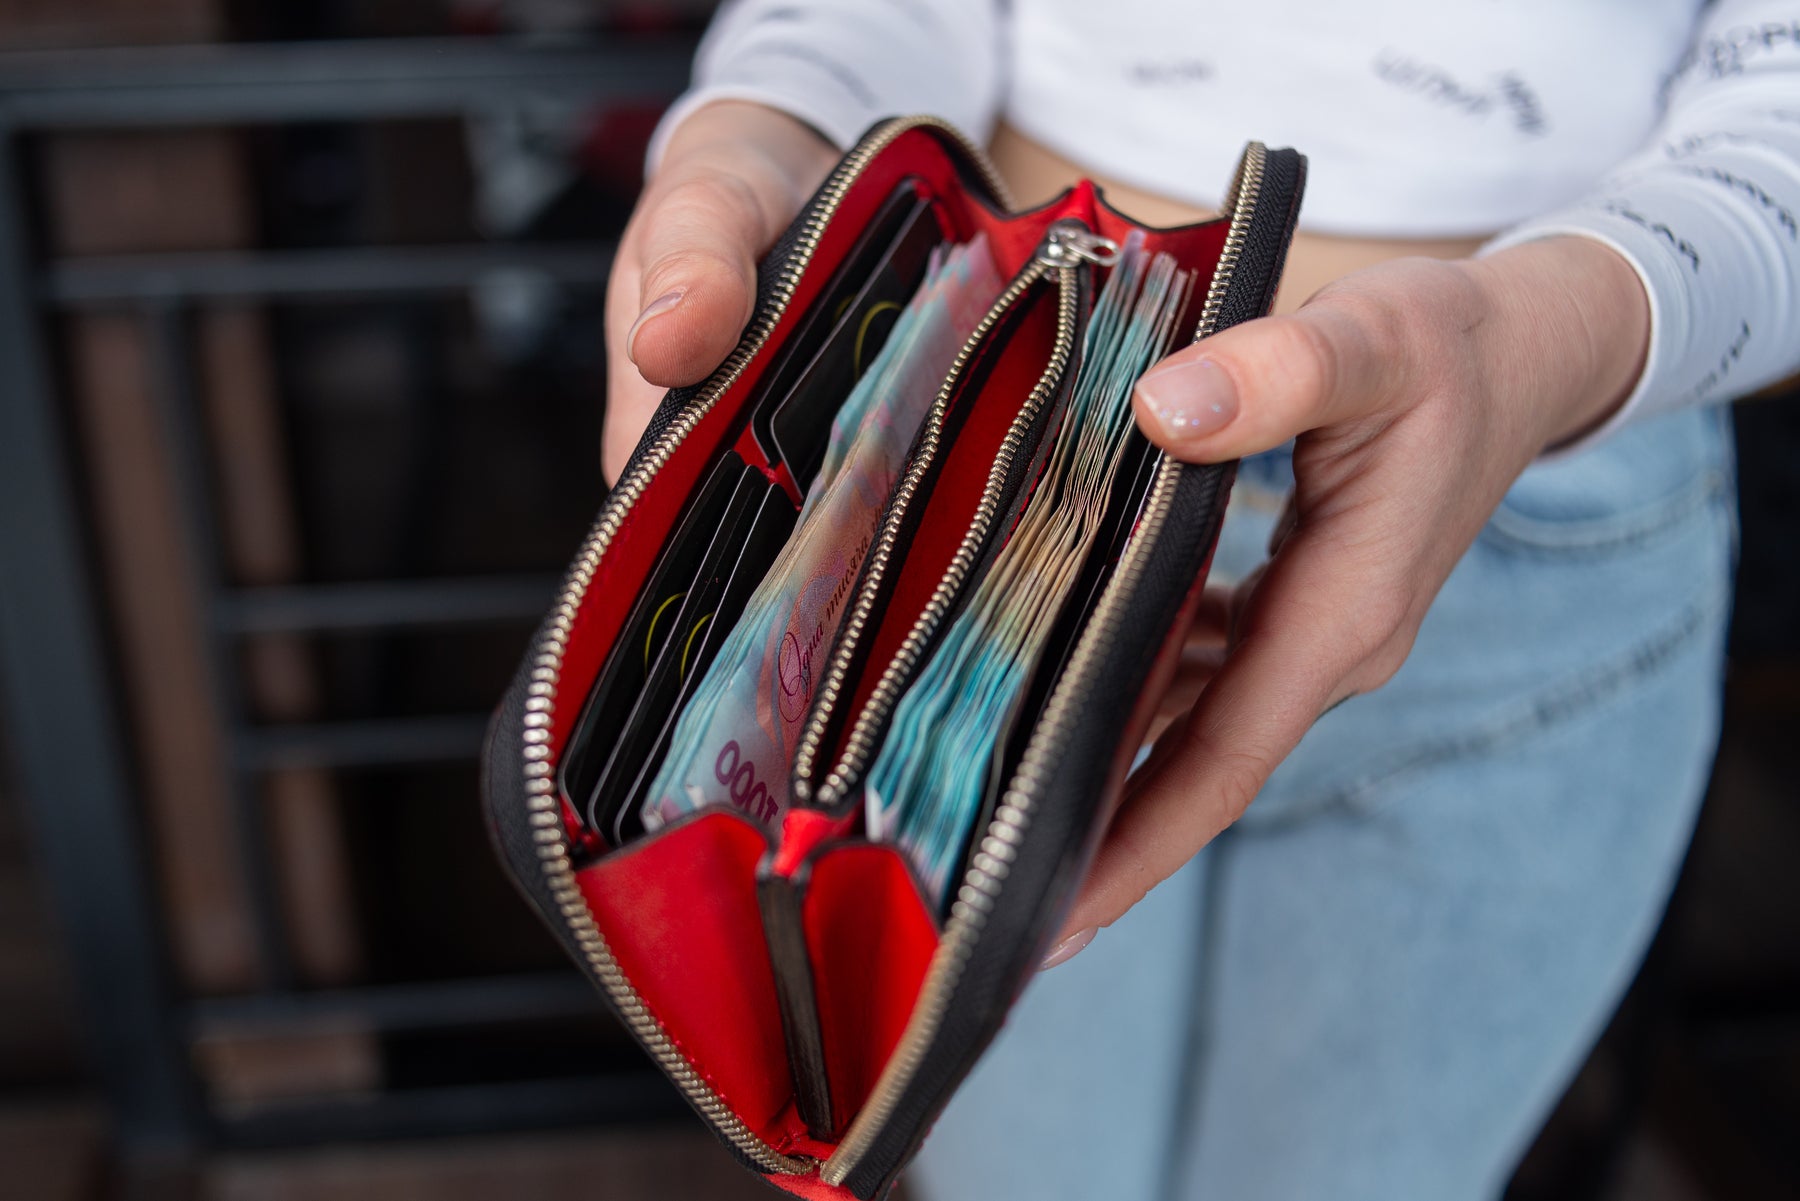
{"points": [[887, 689], [1246, 181], [543, 811], [993, 860]]}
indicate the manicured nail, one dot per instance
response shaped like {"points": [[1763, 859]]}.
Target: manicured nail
{"points": [[1068, 948], [655, 308], [1190, 399]]}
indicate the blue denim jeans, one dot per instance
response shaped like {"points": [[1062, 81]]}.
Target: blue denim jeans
{"points": [[1377, 983]]}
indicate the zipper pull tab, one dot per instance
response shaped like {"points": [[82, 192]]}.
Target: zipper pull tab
{"points": [[1069, 242]]}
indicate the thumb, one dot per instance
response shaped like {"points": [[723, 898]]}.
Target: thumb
{"points": [[1257, 385], [682, 292], [698, 245]]}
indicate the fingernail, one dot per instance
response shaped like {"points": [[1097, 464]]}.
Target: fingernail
{"points": [[655, 308], [1190, 399], [1068, 948]]}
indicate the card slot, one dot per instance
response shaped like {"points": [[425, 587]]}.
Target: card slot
{"points": [[869, 939], [726, 541], [624, 674], [846, 329], [742, 550], [680, 917]]}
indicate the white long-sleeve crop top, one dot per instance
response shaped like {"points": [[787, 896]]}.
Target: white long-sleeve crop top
{"points": [[1668, 129]]}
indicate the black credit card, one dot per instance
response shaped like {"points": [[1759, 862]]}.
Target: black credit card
{"points": [[713, 615], [684, 598], [647, 630], [801, 419], [901, 217]]}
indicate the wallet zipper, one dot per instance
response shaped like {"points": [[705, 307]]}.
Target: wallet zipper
{"points": [[1067, 245], [989, 866], [544, 810]]}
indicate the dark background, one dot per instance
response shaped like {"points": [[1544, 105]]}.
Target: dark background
{"points": [[314, 351]]}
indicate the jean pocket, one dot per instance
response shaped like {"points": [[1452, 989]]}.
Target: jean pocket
{"points": [[1633, 488]]}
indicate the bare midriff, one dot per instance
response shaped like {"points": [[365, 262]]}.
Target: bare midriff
{"points": [[1036, 173]]}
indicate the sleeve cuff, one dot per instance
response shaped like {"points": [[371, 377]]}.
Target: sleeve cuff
{"points": [[829, 121]]}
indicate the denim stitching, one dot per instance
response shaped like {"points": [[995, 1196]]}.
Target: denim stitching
{"points": [[1523, 533], [1561, 702]]}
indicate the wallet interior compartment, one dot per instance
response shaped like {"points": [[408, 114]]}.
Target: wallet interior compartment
{"points": [[735, 518], [1130, 489], [911, 587], [671, 927], [728, 423], [734, 527], [850, 938], [681, 917], [787, 976]]}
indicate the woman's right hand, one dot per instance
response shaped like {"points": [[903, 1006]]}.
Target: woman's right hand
{"points": [[684, 283]]}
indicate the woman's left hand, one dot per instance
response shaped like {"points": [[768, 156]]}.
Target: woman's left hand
{"points": [[1415, 391]]}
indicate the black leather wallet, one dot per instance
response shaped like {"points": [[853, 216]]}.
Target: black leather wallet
{"points": [[793, 981]]}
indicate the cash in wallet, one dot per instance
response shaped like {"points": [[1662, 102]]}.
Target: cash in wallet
{"points": [[806, 763]]}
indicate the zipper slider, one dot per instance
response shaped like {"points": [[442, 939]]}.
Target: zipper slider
{"points": [[1069, 242]]}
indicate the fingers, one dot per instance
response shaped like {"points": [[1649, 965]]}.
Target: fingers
{"points": [[684, 285], [1312, 634], [682, 292], [630, 400], [1198, 665], [1254, 387], [698, 245], [1347, 354]]}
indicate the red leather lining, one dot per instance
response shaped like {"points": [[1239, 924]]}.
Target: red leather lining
{"points": [[1195, 247], [871, 939], [679, 913], [1013, 240], [804, 831], [747, 449], [810, 1187]]}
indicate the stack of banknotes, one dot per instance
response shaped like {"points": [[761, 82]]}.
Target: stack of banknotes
{"points": [[951, 726], [735, 741]]}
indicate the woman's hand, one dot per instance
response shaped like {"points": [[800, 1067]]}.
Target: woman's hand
{"points": [[684, 284], [1416, 392]]}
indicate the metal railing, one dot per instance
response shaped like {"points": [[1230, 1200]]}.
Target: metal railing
{"points": [[55, 678]]}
